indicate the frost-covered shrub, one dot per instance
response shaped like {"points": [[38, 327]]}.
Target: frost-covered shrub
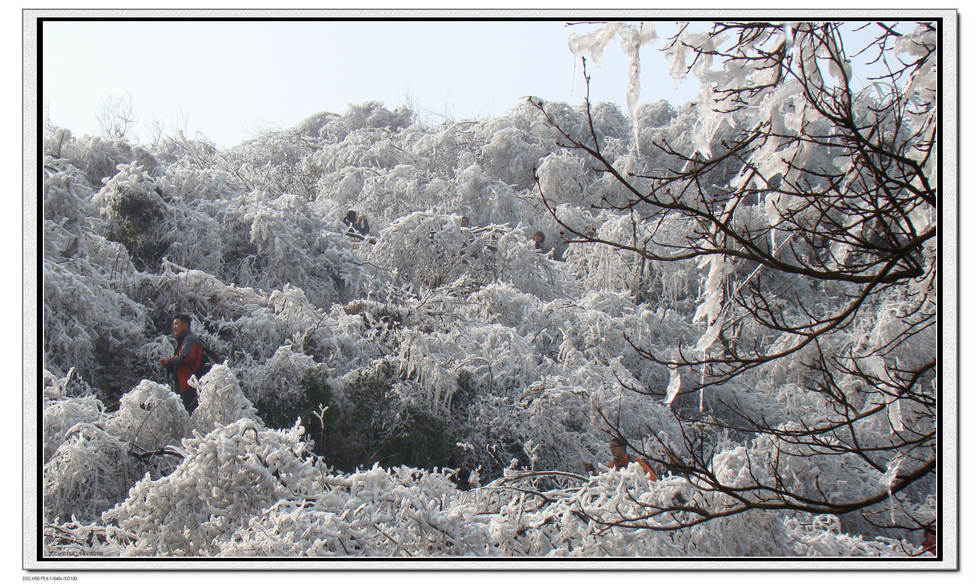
{"points": [[198, 293], [220, 401], [100, 159], [340, 190], [295, 246], [61, 416], [373, 148], [510, 156], [66, 195], [272, 164], [291, 529], [447, 148], [352, 335], [278, 388], [355, 416], [667, 284], [54, 388], [414, 435], [530, 270], [655, 114], [88, 324], [54, 140], [526, 117], [370, 115], [150, 416], [147, 357], [505, 305], [498, 359], [179, 151], [587, 331], [88, 473], [314, 125], [370, 149], [485, 198], [137, 216], [88, 317], [822, 537], [564, 179], [193, 185], [234, 473], [402, 512], [403, 189], [258, 333], [567, 338], [197, 241], [498, 429], [608, 121], [429, 249]]}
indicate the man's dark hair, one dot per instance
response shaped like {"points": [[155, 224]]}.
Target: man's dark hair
{"points": [[618, 441], [185, 318]]}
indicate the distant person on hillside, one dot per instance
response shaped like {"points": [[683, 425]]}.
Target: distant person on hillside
{"points": [[540, 247], [621, 459], [349, 221], [187, 361], [464, 222], [538, 238], [357, 224]]}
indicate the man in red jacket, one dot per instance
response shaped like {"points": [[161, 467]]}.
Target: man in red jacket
{"points": [[189, 357]]}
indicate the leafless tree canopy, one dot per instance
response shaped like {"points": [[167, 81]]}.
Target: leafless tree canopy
{"points": [[813, 213], [116, 116]]}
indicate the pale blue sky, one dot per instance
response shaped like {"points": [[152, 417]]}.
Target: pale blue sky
{"points": [[230, 80]]}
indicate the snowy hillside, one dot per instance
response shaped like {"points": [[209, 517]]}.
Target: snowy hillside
{"points": [[743, 288]]}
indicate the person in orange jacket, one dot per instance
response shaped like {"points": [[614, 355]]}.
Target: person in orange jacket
{"points": [[621, 459], [187, 361]]}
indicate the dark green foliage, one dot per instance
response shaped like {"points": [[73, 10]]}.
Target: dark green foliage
{"points": [[137, 225], [238, 249], [116, 376], [368, 424], [464, 392], [356, 428], [279, 413], [367, 394], [419, 440]]}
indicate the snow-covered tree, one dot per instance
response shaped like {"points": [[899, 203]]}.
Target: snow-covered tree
{"points": [[814, 225]]}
